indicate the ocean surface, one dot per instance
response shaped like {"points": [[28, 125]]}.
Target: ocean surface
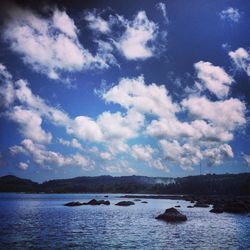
{"points": [[40, 221]]}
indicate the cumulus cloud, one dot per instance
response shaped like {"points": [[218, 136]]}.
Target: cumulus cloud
{"points": [[110, 129], [49, 45], [64, 23], [97, 23], [30, 124], [23, 166], [42, 156], [121, 167], [214, 78], [85, 128], [216, 156], [230, 14], [148, 110], [104, 57], [74, 143], [195, 130], [7, 94], [149, 99], [226, 114], [241, 59], [106, 156], [138, 38], [247, 159], [118, 126], [157, 164], [186, 155], [143, 153]]}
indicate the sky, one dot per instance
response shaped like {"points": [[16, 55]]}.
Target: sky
{"points": [[154, 88]]}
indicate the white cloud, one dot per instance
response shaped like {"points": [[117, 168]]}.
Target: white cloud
{"points": [[42, 156], [247, 159], [117, 126], [109, 128], [30, 124], [104, 57], [196, 130], [135, 42], [149, 99], [215, 79], [142, 153], [136, 39], [85, 129], [7, 94], [216, 156], [149, 111], [227, 114], [121, 167], [64, 23], [26, 97], [50, 46], [117, 146], [97, 23], [106, 156], [186, 155], [241, 59], [23, 166], [74, 143], [157, 163], [162, 7], [230, 14]]}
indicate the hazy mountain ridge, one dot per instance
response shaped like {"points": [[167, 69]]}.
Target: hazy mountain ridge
{"points": [[226, 184]]}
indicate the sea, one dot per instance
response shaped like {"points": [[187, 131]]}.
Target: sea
{"points": [[41, 221]]}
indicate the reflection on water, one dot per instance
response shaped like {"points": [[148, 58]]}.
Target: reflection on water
{"points": [[41, 221]]}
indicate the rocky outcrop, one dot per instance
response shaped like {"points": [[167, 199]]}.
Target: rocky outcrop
{"points": [[125, 203], [198, 204], [172, 215], [73, 204], [216, 210], [92, 202]]}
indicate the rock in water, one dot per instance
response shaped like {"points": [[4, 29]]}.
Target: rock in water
{"points": [[198, 204], [216, 210], [125, 203], [172, 215], [73, 204], [94, 202], [144, 202], [106, 203]]}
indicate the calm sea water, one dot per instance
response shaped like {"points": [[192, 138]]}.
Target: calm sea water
{"points": [[40, 221]]}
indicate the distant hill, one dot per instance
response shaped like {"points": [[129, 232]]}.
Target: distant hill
{"points": [[11, 183], [227, 184]]}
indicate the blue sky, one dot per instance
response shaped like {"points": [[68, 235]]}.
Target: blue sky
{"points": [[156, 88]]}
